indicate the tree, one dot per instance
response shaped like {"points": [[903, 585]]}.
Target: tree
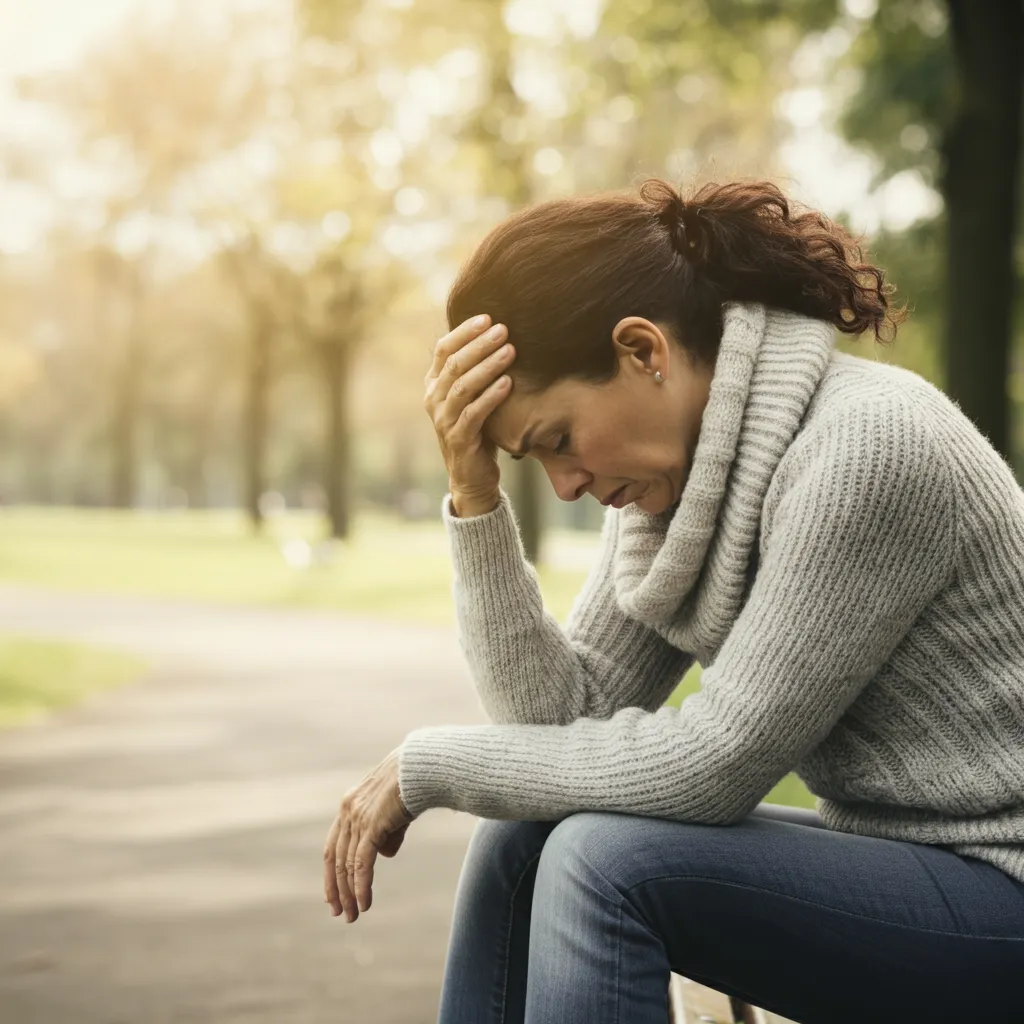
{"points": [[262, 284], [941, 96], [331, 307], [625, 90], [149, 109], [511, 178]]}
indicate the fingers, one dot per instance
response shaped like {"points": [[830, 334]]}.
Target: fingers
{"points": [[365, 855], [455, 339], [469, 424], [468, 380], [467, 387], [341, 873], [331, 895], [468, 369]]}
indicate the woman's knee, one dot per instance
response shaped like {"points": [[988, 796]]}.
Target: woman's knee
{"points": [[588, 850], [500, 851], [614, 853]]}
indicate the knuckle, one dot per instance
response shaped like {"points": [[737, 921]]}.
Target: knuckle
{"points": [[451, 365], [458, 387]]}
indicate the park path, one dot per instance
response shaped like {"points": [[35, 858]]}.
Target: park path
{"points": [[160, 844]]}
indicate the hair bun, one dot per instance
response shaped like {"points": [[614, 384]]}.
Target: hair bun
{"points": [[685, 228]]}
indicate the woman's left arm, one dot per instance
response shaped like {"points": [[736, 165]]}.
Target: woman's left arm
{"points": [[862, 539]]}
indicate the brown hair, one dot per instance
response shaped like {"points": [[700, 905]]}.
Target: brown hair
{"points": [[561, 274]]}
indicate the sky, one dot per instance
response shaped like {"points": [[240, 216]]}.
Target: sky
{"points": [[40, 35]]}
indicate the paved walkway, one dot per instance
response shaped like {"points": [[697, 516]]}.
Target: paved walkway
{"points": [[160, 845]]}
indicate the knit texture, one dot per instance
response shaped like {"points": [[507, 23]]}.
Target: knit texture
{"points": [[846, 562]]}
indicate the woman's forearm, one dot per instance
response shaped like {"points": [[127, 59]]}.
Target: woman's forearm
{"points": [[525, 667]]}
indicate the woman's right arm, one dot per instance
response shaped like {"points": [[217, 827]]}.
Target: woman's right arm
{"points": [[524, 666], [526, 669]]}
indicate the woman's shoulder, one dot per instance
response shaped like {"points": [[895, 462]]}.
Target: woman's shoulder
{"points": [[864, 415], [859, 390], [850, 381]]}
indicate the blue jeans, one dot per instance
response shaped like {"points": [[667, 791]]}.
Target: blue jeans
{"points": [[581, 921]]}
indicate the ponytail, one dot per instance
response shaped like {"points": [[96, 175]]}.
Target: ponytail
{"points": [[560, 274]]}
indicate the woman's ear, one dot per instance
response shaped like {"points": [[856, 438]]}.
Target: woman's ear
{"points": [[641, 345]]}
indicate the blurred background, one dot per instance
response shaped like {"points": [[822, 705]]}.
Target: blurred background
{"points": [[227, 231]]}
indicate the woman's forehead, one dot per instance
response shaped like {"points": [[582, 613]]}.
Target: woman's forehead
{"points": [[506, 424]]}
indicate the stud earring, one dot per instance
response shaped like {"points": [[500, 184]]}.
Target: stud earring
{"points": [[658, 377]]}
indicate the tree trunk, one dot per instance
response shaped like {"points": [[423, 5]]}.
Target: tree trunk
{"points": [[510, 177], [128, 382], [403, 474], [525, 492], [981, 175], [194, 468], [254, 432], [336, 441]]}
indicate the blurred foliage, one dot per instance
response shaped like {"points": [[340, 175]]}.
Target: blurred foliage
{"points": [[387, 569], [244, 292], [905, 95], [157, 372], [935, 96]]}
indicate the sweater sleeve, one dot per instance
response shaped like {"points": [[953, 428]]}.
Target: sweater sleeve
{"points": [[861, 537], [525, 668]]}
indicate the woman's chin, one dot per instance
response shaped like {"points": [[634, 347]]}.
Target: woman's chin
{"points": [[650, 502], [655, 500]]}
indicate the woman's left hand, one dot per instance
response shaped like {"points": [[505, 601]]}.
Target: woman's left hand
{"points": [[372, 819]]}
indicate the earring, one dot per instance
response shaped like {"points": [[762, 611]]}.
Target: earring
{"points": [[658, 377]]}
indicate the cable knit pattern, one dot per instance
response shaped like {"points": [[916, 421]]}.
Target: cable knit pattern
{"points": [[846, 562]]}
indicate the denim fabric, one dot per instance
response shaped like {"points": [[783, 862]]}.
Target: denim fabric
{"points": [[581, 921]]}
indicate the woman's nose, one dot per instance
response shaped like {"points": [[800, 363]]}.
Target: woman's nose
{"points": [[569, 484]]}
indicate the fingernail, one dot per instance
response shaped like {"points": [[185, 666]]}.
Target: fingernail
{"points": [[480, 320]]}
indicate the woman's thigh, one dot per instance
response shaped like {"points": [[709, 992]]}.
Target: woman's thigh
{"points": [[814, 924]]}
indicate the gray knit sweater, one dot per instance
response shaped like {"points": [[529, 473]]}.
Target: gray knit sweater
{"points": [[846, 562]]}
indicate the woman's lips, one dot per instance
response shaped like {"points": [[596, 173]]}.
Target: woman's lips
{"points": [[619, 498], [607, 501]]}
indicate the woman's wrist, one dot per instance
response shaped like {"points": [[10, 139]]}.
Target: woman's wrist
{"points": [[465, 507]]}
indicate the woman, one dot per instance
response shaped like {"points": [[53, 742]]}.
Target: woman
{"points": [[834, 542]]}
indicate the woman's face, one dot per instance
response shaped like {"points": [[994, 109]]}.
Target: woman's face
{"points": [[630, 433]]}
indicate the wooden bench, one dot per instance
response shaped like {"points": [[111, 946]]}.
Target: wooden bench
{"points": [[691, 1003]]}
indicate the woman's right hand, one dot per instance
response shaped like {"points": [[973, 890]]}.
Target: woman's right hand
{"points": [[466, 382]]}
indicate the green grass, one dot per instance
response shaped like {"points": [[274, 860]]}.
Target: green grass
{"points": [[37, 676], [388, 568]]}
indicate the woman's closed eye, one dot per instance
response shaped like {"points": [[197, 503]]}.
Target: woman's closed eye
{"points": [[562, 445]]}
